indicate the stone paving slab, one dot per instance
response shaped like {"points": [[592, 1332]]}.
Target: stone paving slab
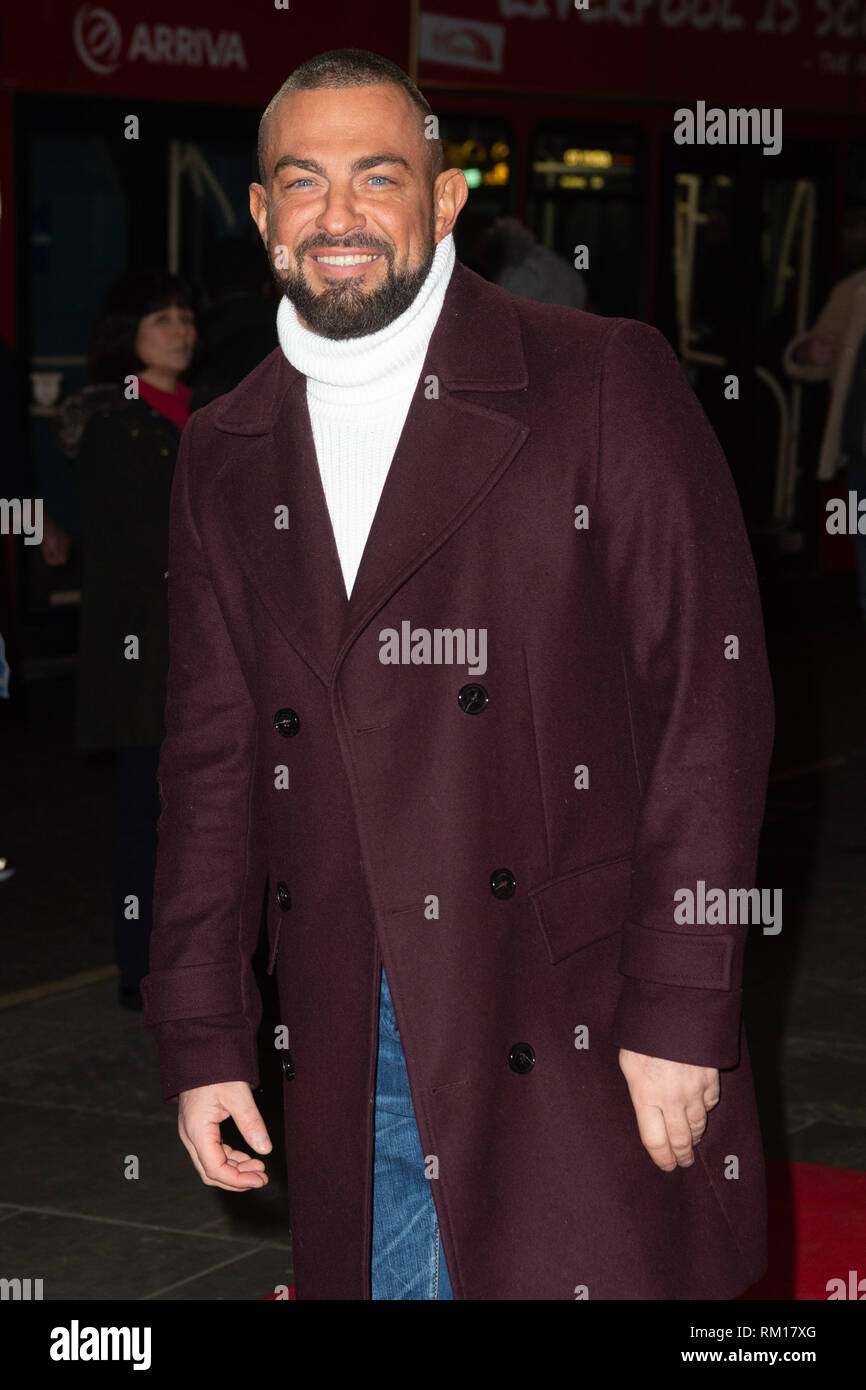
{"points": [[91, 1259]]}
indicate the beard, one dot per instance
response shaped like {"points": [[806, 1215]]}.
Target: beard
{"points": [[345, 309]]}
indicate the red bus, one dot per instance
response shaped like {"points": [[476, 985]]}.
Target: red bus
{"points": [[564, 115]]}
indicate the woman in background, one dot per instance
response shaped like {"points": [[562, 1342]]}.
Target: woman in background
{"points": [[123, 430]]}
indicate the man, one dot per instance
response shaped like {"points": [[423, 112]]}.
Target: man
{"points": [[467, 663]]}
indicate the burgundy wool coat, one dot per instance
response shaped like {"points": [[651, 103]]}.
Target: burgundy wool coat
{"points": [[616, 754]]}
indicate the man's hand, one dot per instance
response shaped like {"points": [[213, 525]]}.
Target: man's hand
{"points": [[200, 1113], [670, 1100]]}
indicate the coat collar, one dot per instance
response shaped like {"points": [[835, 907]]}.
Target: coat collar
{"points": [[449, 455]]}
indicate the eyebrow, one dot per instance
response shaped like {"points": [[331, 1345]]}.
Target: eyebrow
{"points": [[367, 161]]}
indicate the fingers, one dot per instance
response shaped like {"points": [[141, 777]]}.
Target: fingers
{"points": [[242, 1161], [669, 1136], [654, 1137], [219, 1165], [696, 1118], [250, 1124], [671, 1101]]}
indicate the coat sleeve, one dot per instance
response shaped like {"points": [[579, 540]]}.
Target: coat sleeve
{"points": [[669, 539], [832, 322], [200, 997]]}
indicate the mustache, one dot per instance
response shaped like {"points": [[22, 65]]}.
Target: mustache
{"points": [[336, 246], [345, 246]]}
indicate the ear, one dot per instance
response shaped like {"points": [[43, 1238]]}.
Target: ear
{"points": [[259, 209], [450, 192]]}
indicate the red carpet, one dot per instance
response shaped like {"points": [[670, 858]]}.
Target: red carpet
{"points": [[817, 1232]]}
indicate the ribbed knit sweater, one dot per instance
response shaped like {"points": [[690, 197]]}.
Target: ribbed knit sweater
{"points": [[358, 393]]}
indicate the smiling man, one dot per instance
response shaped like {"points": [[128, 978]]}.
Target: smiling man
{"points": [[354, 284], [508, 1071]]}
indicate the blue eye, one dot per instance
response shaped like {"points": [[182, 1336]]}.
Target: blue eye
{"points": [[296, 182]]}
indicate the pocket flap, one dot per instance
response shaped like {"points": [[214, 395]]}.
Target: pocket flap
{"points": [[584, 905]]}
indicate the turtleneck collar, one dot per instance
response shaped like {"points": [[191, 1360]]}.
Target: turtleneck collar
{"points": [[354, 371]]}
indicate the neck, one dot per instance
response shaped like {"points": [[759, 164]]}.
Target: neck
{"points": [[376, 365], [160, 377]]}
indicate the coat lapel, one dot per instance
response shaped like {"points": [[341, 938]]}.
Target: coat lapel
{"points": [[269, 464], [450, 454]]}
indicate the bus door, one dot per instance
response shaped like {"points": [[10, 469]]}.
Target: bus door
{"points": [[744, 251], [588, 190]]}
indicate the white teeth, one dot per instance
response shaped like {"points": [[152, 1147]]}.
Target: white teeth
{"points": [[344, 260]]}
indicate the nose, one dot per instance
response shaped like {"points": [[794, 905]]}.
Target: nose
{"points": [[339, 215], [182, 329]]}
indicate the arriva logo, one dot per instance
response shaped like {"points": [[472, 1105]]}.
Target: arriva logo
{"points": [[97, 39], [99, 44]]}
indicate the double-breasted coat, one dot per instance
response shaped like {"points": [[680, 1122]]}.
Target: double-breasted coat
{"points": [[507, 839]]}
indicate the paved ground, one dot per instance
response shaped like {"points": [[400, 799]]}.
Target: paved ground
{"points": [[79, 1090], [79, 1086]]}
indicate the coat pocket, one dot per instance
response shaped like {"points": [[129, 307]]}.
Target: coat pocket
{"points": [[583, 905]]}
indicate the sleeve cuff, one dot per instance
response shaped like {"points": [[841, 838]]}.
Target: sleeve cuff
{"points": [[680, 998], [698, 1026], [194, 991], [202, 1052]]}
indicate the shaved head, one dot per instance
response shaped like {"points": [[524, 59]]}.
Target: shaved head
{"points": [[349, 67]]}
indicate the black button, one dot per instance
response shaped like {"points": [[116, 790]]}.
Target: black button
{"points": [[288, 1066], [521, 1058], [472, 699], [284, 897], [286, 723], [503, 884]]}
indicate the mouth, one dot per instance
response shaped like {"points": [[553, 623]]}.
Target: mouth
{"points": [[341, 264]]}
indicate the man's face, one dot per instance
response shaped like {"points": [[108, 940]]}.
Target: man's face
{"points": [[348, 173]]}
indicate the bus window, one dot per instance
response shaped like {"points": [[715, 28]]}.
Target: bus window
{"points": [[586, 189], [482, 146], [703, 263], [745, 244]]}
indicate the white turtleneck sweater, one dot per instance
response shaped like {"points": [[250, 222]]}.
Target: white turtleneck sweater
{"points": [[358, 393]]}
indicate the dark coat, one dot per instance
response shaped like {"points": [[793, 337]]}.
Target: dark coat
{"points": [[238, 331], [606, 648], [125, 465], [546, 277]]}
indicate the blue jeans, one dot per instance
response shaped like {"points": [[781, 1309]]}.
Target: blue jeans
{"points": [[407, 1260]]}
